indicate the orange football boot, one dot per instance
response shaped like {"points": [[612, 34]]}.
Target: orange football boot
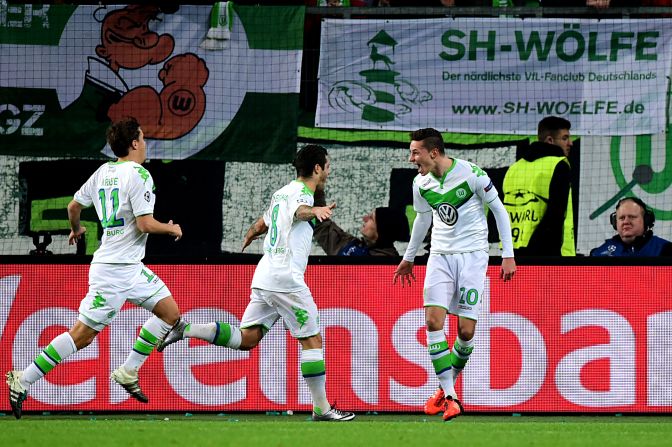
{"points": [[436, 403], [452, 409]]}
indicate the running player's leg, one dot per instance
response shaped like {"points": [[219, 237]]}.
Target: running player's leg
{"points": [[301, 317], [60, 348], [149, 292], [166, 314], [96, 311], [258, 318]]}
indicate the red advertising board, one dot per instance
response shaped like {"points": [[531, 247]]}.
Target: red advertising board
{"points": [[556, 339]]}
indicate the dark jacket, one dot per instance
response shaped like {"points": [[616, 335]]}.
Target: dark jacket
{"points": [[392, 226], [548, 236], [336, 242], [646, 245]]}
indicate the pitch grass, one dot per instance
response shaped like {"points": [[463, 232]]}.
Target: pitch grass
{"points": [[247, 430]]}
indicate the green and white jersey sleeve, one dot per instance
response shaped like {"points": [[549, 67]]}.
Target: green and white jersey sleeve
{"points": [[287, 243], [458, 204], [119, 191]]}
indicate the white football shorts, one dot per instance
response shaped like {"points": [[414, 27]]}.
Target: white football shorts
{"points": [[456, 282], [297, 309], [111, 285]]}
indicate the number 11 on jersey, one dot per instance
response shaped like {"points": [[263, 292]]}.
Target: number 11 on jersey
{"points": [[113, 220]]}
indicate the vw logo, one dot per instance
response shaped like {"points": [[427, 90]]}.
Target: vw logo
{"points": [[447, 214]]}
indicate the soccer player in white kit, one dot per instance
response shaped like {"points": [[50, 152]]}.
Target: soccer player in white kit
{"points": [[122, 193], [453, 194], [278, 286]]}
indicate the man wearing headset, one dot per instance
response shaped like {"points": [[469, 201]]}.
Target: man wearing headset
{"points": [[633, 221]]}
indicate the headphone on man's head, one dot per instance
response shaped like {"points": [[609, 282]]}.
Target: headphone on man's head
{"points": [[649, 216]]}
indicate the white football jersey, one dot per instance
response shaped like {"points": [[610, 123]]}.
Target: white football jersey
{"points": [[287, 243], [120, 191], [458, 204]]}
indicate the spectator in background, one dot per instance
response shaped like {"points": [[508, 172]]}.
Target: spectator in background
{"points": [[538, 194], [380, 229], [416, 3], [346, 3], [597, 4], [459, 3], [633, 221]]}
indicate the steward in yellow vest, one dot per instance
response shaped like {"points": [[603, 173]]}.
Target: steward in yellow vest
{"points": [[537, 194]]}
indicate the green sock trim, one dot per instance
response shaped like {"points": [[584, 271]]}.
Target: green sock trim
{"points": [[442, 363], [142, 348], [224, 334], [312, 368], [144, 333], [51, 351], [457, 362], [44, 364], [465, 351], [438, 347], [317, 411]]}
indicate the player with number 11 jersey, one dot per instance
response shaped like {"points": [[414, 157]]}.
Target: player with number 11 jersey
{"points": [[119, 191]]}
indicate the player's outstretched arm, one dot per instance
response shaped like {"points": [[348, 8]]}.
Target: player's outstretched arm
{"points": [[147, 224], [76, 230], [321, 213], [258, 228], [404, 273]]}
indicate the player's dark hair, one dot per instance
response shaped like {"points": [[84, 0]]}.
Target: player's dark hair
{"points": [[430, 138], [120, 135], [550, 126], [309, 156]]}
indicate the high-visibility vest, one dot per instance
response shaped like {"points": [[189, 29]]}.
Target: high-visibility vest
{"points": [[526, 190]]}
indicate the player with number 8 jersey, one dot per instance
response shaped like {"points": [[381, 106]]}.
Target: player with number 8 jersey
{"points": [[278, 286], [288, 241]]}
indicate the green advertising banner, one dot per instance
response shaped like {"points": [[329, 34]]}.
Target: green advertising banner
{"points": [[216, 83]]}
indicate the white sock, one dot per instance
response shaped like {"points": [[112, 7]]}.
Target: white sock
{"points": [[314, 373], [218, 333], [58, 350], [207, 331], [439, 353], [460, 354], [152, 331]]}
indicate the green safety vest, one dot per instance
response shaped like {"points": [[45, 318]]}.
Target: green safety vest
{"points": [[526, 189]]}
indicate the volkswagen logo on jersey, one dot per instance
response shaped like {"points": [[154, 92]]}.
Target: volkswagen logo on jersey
{"points": [[447, 214]]}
